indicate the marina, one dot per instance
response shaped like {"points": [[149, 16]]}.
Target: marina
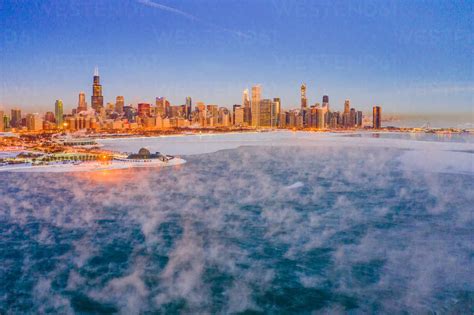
{"points": [[84, 162]]}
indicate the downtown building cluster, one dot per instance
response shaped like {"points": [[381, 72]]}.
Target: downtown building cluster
{"points": [[268, 113], [254, 112]]}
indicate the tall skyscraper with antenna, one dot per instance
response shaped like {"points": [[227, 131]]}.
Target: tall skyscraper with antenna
{"points": [[97, 100]]}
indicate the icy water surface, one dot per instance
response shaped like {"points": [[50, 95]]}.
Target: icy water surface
{"points": [[282, 229]]}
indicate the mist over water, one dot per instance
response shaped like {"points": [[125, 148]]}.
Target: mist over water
{"points": [[294, 228]]}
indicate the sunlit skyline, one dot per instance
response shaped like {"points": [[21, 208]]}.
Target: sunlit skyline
{"points": [[408, 57]]}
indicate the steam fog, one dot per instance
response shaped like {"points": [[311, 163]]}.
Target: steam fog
{"points": [[286, 223]]}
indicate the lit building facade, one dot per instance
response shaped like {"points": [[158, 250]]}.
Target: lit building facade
{"points": [[59, 113], [119, 104], [255, 112], [377, 117], [97, 100], [81, 103], [15, 118]]}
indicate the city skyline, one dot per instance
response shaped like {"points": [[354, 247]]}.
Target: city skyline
{"points": [[150, 48], [80, 101], [256, 112]]}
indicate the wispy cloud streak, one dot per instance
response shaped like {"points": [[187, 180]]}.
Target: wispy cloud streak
{"points": [[191, 17], [167, 8]]}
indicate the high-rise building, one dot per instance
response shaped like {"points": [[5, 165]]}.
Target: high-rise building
{"points": [[239, 116], [247, 108], [59, 113], [130, 113], [266, 110], [353, 118], [34, 122], [82, 104], [212, 110], [245, 98], [15, 121], [223, 117], [49, 117], [326, 104], [277, 104], [163, 107], [6, 122], [97, 100], [282, 119], [119, 104], [377, 117], [320, 121], [304, 100], [334, 120], [256, 96], [359, 118], [2, 124], [189, 107], [144, 110], [347, 106], [234, 108]]}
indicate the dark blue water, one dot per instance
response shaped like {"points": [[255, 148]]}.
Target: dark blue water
{"points": [[257, 229]]}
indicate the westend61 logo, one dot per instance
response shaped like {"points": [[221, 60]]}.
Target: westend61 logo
{"points": [[335, 9]]}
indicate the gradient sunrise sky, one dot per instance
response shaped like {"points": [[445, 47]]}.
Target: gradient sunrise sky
{"points": [[408, 56]]}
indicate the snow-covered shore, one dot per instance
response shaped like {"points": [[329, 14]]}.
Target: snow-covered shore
{"points": [[438, 156]]}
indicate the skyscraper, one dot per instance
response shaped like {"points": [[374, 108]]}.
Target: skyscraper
{"points": [[6, 121], [359, 118], [353, 118], [347, 106], [34, 122], [265, 113], [49, 117], [304, 100], [144, 110], [2, 124], [59, 112], [163, 107], [377, 117], [15, 121], [245, 98], [97, 100], [320, 121], [246, 107], [256, 96], [277, 106], [82, 104], [235, 107], [189, 107], [119, 104], [238, 115], [326, 102]]}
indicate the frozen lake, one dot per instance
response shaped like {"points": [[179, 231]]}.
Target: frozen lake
{"points": [[277, 222]]}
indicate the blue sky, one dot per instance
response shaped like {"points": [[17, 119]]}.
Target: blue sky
{"points": [[408, 56]]}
